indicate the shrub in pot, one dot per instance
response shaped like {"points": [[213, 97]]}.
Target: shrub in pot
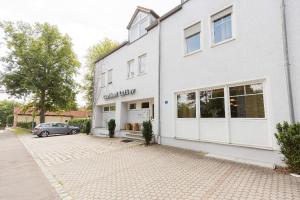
{"points": [[136, 127], [288, 138], [111, 128], [147, 132], [128, 126]]}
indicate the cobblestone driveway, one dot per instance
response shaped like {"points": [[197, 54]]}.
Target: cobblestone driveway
{"points": [[83, 167]]}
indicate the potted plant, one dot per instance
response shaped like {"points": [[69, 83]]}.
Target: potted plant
{"points": [[111, 128], [288, 138], [147, 132], [136, 127], [128, 126]]}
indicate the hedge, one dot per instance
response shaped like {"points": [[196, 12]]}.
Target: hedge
{"points": [[26, 125], [83, 124]]}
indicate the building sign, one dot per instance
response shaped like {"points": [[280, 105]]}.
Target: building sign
{"points": [[119, 94]]}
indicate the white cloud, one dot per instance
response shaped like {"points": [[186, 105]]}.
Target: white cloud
{"points": [[85, 21]]}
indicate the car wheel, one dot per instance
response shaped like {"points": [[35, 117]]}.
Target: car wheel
{"points": [[44, 134], [73, 132], [39, 135]]}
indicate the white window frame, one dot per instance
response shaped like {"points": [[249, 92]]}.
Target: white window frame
{"points": [[133, 108], [264, 93], [109, 76], [217, 15], [145, 102], [139, 63], [138, 26], [106, 107], [130, 73], [186, 53]]}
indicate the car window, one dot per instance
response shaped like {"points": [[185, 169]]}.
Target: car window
{"points": [[55, 125], [61, 125]]}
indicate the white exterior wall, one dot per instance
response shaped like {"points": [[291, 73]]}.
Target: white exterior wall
{"points": [[146, 85], [255, 53], [293, 33]]}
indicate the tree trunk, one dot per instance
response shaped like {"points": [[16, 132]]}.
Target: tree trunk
{"points": [[42, 107]]}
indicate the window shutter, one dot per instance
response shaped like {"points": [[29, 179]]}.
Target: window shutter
{"points": [[222, 13], [192, 30]]}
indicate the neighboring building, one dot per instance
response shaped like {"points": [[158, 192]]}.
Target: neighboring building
{"points": [[217, 77], [20, 116]]}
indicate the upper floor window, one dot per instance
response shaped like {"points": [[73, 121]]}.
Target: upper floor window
{"points": [[222, 26], [109, 76], [138, 28], [192, 38], [142, 64], [130, 69]]}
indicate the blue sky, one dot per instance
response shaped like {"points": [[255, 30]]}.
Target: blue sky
{"points": [[86, 22]]}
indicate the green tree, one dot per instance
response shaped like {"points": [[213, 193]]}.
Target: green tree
{"points": [[6, 111], [95, 53], [40, 65]]}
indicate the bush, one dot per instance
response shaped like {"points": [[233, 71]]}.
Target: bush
{"points": [[26, 125], [147, 132], [111, 127], [9, 120], [83, 124], [288, 138]]}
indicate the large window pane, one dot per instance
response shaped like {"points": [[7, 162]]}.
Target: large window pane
{"points": [[186, 105], [247, 105], [212, 104], [222, 29], [193, 43]]}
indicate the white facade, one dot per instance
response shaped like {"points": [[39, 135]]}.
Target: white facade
{"points": [[209, 47]]}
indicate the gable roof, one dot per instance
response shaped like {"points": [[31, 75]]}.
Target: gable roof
{"points": [[142, 9], [139, 8]]}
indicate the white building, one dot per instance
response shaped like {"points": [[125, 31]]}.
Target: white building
{"points": [[214, 76]]}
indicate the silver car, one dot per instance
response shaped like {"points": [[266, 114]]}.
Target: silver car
{"points": [[46, 129]]}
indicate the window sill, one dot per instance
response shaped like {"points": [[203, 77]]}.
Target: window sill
{"points": [[223, 42], [192, 53]]}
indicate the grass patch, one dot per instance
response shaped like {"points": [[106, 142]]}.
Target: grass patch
{"points": [[21, 131]]}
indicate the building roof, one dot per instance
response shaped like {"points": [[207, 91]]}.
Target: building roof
{"points": [[77, 114], [139, 8], [142, 9]]}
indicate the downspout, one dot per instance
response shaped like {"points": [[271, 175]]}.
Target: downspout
{"points": [[94, 102], [287, 63], [159, 82]]}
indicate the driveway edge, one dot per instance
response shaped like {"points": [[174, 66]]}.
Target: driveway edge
{"points": [[63, 195]]}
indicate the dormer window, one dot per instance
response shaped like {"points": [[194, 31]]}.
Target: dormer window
{"points": [[138, 27]]}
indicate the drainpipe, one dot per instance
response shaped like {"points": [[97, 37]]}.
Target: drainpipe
{"points": [[159, 82], [94, 101], [287, 63]]}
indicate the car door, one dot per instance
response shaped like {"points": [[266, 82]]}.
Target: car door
{"points": [[62, 128], [55, 128]]}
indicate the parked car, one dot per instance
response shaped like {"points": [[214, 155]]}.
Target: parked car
{"points": [[46, 129]]}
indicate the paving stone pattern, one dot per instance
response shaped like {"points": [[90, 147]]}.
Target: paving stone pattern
{"points": [[87, 167]]}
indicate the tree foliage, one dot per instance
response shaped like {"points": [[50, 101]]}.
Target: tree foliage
{"points": [[40, 64], [6, 111], [94, 53]]}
